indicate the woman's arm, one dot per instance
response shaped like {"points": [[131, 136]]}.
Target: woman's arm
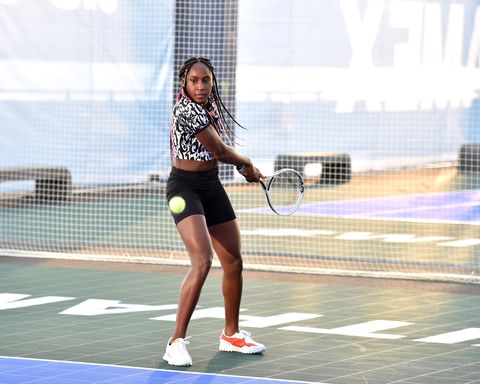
{"points": [[211, 140]]}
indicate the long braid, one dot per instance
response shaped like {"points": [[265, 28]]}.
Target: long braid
{"points": [[222, 109]]}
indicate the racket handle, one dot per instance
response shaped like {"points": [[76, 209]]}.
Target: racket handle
{"points": [[241, 169]]}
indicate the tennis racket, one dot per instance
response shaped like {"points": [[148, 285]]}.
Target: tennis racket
{"points": [[283, 190]]}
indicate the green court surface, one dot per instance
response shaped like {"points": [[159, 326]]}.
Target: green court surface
{"points": [[316, 329]]}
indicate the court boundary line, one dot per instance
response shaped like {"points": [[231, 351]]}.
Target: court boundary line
{"points": [[405, 220], [265, 211], [67, 362]]}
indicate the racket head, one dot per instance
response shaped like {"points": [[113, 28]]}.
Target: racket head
{"points": [[284, 191]]}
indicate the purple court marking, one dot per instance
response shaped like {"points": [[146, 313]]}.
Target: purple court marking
{"points": [[15, 370], [461, 207]]}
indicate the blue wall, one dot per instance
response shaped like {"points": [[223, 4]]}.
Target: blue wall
{"points": [[90, 88]]}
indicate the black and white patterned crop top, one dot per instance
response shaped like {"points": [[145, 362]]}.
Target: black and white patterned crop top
{"points": [[188, 119]]}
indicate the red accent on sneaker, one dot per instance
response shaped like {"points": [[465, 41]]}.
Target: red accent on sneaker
{"points": [[237, 342]]}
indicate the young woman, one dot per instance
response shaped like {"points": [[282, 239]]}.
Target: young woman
{"points": [[207, 223]]}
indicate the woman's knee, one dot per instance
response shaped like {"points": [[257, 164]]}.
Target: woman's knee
{"points": [[234, 266], [202, 264]]}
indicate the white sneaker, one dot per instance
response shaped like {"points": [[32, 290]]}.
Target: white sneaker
{"points": [[177, 354], [240, 342]]}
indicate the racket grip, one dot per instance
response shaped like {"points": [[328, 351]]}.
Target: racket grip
{"points": [[241, 169]]}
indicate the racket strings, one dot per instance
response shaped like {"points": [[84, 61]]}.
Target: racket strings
{"points": [[285, 191]]}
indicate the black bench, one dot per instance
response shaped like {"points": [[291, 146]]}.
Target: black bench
{"points": [[51, 183], [469, 158], [328, 168]]}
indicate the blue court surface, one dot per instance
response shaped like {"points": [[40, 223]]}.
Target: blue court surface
{"points": [[18, 370], [461, 207]]}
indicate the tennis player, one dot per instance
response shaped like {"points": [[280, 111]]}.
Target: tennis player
{"points": [[207, 222]]}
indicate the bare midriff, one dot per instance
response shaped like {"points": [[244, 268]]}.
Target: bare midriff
{"points": [[195, 166]]}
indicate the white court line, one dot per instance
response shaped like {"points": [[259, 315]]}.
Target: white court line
{"points": [[426, 208]]}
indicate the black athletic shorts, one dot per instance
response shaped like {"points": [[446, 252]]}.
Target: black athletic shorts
{"points": [[203, 194]]}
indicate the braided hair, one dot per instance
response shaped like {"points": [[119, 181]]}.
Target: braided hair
{"points": [[222, 126]]}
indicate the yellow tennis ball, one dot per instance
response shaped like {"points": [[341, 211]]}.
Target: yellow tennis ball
{"points": [[176, 204]]}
